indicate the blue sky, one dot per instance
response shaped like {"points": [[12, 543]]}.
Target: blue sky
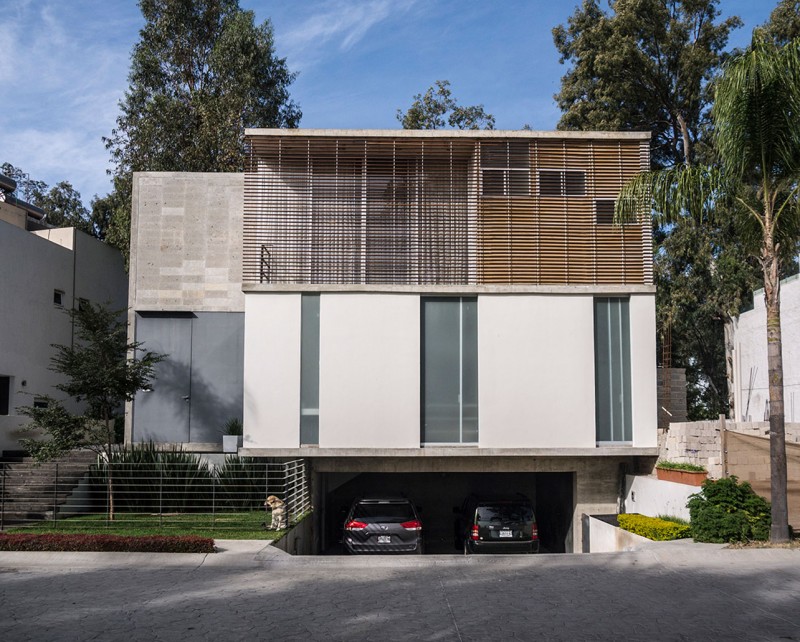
{"points": [[64, 66]]}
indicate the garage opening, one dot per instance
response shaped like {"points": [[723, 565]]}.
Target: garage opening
{"points": [[436, 495]]}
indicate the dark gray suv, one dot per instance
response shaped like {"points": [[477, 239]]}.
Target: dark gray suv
{"points": [[496, 525], [383, 525]]}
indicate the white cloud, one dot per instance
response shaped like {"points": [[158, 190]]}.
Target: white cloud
{"points": [[342, 23], [56, 155], [65, 68]]}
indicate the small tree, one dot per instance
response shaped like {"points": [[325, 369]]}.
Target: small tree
{"points": [[103, 370], [428, 111]]}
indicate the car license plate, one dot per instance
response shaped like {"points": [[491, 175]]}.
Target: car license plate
{"points": [[505, 533], [384, 539]]}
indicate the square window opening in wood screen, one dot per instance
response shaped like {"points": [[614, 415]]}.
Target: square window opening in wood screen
{"points": [[604, 211], [505, 169], [562, 182]]}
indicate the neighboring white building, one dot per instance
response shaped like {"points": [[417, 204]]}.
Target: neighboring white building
{"points": [[45, 272], [747, 354], [434, 313]]}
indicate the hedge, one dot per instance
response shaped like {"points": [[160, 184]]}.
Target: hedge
{"points": [[659, 530], [106, 543]]}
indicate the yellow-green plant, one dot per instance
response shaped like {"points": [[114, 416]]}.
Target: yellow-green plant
{"points": [[653, 528]]}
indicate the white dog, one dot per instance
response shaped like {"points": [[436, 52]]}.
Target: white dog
{"points": [[278, 508]]}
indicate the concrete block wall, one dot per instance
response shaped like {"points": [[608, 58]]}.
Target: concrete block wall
{"points": [[698, 442], [186, 242], [672, 405]]}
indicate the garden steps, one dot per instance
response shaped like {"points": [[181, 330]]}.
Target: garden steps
{"points": [[28, 491]]}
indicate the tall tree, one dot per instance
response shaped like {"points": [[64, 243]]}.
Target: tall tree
{"points": [[646, 65], [62, 203], [643, 66], [436, 109], [783, 25], [757, 135], [98, 371], [201, 73], [28, 189]]}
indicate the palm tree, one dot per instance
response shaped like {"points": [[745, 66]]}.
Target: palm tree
{"points": [[756, 119]]}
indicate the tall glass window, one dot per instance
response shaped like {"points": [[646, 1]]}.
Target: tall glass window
{"points": [[449, 370], [612, 370], [309, 369]]}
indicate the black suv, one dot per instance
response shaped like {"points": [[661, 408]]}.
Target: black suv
{"points": [[383, 525], [496, 525]]}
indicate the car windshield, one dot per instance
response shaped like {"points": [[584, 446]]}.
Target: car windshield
{"points": [[374, 513], [505, 513]]}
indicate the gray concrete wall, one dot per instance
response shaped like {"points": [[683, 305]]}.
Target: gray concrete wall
{"points": [[298, 540], [186, 242], [672, 406], [99, 273]]}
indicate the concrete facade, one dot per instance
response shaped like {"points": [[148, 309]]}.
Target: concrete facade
{"points": [[36, 266], [186, 242], [186, 261]]}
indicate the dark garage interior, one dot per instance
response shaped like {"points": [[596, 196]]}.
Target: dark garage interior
{"points": [[436, 495]]}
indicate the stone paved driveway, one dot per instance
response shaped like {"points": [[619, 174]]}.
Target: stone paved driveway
{"points": [[667, 593]]}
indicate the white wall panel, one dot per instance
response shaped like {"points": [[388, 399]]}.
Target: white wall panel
{"points": [[643, 371], [536, 365], [272, 371], [369, 371]]}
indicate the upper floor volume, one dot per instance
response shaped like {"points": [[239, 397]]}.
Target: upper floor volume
{"points": [[431, 208]]}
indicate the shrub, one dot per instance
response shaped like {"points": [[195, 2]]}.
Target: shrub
{"points": [[243, 482], [727, 511], [106, 543], [659, 530], [677, 465], [147, 479]]}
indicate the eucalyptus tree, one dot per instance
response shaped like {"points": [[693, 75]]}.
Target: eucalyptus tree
{"points": [[436, 109], [646, 65], [756, 132], [201, 72]]}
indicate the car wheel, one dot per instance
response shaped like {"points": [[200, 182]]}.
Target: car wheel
{"points": [[467, 551]]}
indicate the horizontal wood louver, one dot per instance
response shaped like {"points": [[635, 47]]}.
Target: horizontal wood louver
{"points": [[439, 211]]}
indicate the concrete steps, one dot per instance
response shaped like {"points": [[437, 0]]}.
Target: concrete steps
{"points": [[31, 491]]}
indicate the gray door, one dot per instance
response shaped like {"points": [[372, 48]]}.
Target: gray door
{"points": [[162, 414], [199, 385]]}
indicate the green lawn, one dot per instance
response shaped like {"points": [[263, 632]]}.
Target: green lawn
{"points": [[241, 525]]}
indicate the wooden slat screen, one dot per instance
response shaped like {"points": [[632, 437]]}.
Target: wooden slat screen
{"points": [[461, 211]]}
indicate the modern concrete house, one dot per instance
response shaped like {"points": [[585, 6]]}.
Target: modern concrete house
{"points": [[424, 312], [45, 271]]}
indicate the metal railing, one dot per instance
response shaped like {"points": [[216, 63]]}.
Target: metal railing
{"points": [[182, 496]]}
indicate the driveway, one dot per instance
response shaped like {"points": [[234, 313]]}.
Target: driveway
{"points": [[255, 592]]}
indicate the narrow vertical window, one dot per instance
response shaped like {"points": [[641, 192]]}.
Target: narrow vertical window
{"points": [[309, 369], [449, 370], [5, 395], [612, 369]]}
